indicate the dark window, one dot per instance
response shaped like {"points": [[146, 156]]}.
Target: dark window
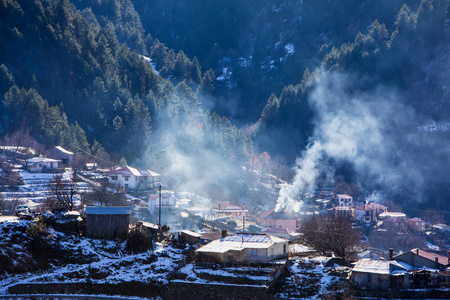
{"points": [[126, 178], [113, 177]]}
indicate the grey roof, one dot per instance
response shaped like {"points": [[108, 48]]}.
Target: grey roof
{"points": [[280, 215], [108, 210]]}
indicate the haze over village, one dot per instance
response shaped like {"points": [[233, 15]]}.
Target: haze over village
{"points": [[224, 150]]}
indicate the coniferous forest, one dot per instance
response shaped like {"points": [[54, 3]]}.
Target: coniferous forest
{"points": [[218, 85]]}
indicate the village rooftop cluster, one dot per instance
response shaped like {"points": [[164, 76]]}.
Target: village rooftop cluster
{"points": [[222, 234]]}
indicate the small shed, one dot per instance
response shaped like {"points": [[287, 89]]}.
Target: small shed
{"points": [[188, 236], [62, 154], [379, 274], [107, 222]]}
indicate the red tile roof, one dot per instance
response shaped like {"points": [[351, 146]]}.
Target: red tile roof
{"points": [[442, 260]]}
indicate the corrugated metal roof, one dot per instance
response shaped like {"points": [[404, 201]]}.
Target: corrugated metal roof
{"points": [[372, 266], [238, 242], [108, 210]]}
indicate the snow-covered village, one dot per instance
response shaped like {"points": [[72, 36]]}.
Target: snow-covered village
{"points": [[117, 232], [257, 149]]}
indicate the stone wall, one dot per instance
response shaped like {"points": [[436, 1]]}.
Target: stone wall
{"points": [[172, 291]]}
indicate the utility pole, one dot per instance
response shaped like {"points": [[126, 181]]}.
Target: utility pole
{"points": [[243, 222], [159, 219]]}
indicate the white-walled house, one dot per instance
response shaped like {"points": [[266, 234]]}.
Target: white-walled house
{"points": [[245, 247], [343, 200], [132, 178], [228, 209], [168, 201], [42, 165]]}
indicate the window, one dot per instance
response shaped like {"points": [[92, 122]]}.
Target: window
{"points": [[126, 178], [126, 185], [113, 177], [369, 278], [284, 248], [145, 178], [280, 226], [271, 252], [40, 165], [254, 252]]}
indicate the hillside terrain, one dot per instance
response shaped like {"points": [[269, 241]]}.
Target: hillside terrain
{"points": [[184, 87]]}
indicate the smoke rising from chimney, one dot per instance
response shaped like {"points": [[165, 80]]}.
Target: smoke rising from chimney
{"points": [[368, 129]]}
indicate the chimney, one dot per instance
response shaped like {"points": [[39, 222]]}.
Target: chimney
{"points": [[436, 260], [391, 253], [224, 233], [417, 251]]}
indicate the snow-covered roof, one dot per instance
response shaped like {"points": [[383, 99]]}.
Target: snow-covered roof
{"points": [[384, 267], [227, 206], [108, 210], [63, 150], [239, 242], [35, 160], [128, 171], [392, 215], [147, 172], [191, 233]]}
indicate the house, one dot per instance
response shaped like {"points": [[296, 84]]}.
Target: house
{"points": [[188, 236], [343, 200], [416, 224], [244, 247], [132, 178], [228, 209], [393, 223], [168, 201], [43, 165], [380, 274], [62, 154], [423, 259], [369, 212], [343, 210], [107, 222], [277, 219], [208, 237]]}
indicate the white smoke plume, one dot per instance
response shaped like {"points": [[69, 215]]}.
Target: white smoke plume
{"points": [[363, 128]]}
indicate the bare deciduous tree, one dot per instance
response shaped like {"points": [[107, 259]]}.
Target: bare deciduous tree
{"points": [[62, 194], [332, 232], [106, 194]]}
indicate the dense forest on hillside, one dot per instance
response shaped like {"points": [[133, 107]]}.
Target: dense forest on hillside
{"points": [[233, 83]]}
